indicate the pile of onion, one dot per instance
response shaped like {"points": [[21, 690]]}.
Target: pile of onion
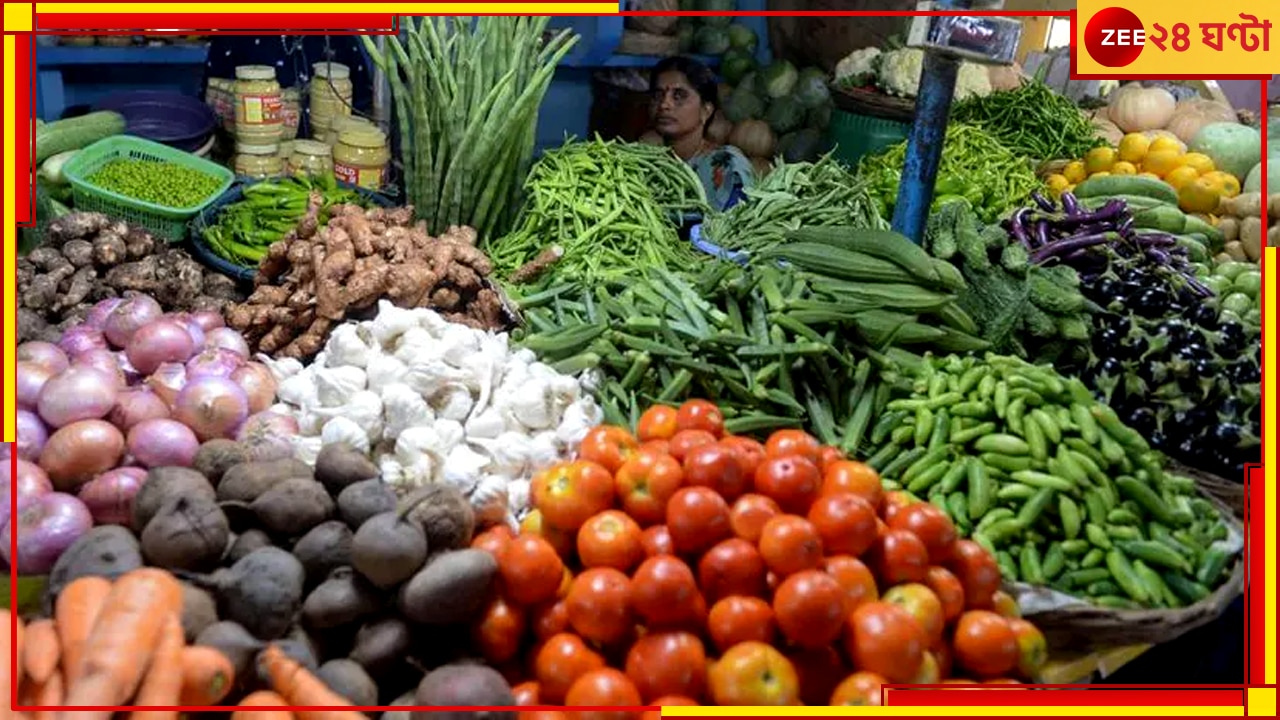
{"points": [[129, 389]]}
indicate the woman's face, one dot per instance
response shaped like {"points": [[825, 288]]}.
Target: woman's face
{"points": [[677, 108]]}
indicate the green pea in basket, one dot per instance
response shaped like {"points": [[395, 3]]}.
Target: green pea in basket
{"points": [[163, 221]]}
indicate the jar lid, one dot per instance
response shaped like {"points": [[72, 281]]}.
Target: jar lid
{"points": [[312, 147], [370, 137], [339, 123], [255, 72], [245, 149], [331, 70]]}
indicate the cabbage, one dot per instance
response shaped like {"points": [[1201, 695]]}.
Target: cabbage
{"points": [[735, 65], [785, 114], [742, 37], [743, 105], [710, 40], [811, 88], [1234, 148], [778, 79]]}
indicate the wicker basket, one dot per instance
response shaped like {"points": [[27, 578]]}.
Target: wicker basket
{"points": [[1088, 627], [861, 101]]}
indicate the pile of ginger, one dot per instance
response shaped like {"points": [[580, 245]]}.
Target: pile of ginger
{"points": [[316, 277]]}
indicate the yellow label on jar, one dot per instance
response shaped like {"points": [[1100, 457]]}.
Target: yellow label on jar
{"points": [[261, 109], [368, 178]]}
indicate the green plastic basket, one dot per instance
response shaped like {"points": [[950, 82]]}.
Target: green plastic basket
{"points": [[165, 222], [855, 135]]}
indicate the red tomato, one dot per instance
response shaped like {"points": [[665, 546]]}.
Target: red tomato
{"points": [[920, 602], [657, 423], [854, 577], [549, 618], [664, 591], [668, 663], [731, 567], [811, 609], [820, 671], [608, 445], [570, 492], [499, 632], [749, 514], [794, 442], [753, 673], [899, 556], [560, 661], [845, 522], [850, 476], [697, 518], [604, 687], [599, 605], [893, 501], [657, 446], [932, 526], [737, 619], [493, 539], [645, 483], [950, 592], [1033, 649], [793, 481], [531, 570], [526, 693], [789, 544], [860, 688], [700, 415], [715, 467], [657, 541], [747, 452], [668, 701], [685, 440], [977, 571], [985, 644], [610, 539], [1003, 604], [562, 540], [884, 639], [828, 456]]}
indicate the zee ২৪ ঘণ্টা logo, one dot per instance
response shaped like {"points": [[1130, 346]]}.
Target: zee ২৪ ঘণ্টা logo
{"points": [[1114, 37]]}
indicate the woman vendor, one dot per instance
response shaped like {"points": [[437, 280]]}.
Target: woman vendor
{"points": [[683, 101]]}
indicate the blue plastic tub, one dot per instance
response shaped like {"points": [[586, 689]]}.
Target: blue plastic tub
{"points": [[710, 248], [168, 118]]}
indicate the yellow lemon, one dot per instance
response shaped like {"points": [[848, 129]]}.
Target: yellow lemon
{"points": [[1201, 162], [1133, 147], [1056, 182], [1074, 171], [1198, 196], [1180, 176], [1124, 168], [1224, 182], [1099, 159], [1161, 162], [1165, 142]]}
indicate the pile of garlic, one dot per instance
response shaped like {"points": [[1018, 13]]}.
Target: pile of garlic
{"points": [[434, 401]]}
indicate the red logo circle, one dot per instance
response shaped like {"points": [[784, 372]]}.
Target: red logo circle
{"points": [[1114, 37]]}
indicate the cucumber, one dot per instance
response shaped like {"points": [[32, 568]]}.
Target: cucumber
{"points": [[1110, 185], [76, 133], [51, 170], [1163, 218], [1196, 225]]}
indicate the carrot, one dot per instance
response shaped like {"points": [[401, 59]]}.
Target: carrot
{"points": [[40, 650], [124, 639], [266, 701], [300, 687], [74, 615], [207, 675], [49, 694], [162, 685]]}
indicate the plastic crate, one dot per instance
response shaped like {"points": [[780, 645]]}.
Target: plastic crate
{"points": [[209, 215], [855, 135], [165, 222]]}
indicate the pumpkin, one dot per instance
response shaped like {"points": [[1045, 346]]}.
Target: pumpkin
{"points": [[719, 129], [1137, 109], [1194, 113], [754, 138], [1107, 130]]}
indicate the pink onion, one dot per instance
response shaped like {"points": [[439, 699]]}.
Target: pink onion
{"points": [[195, 331], [225, 337], [215, 361], [208, 319], [130, 373], [97, 316], [128, 316], [104, 360], [77, 393], [268, 435], [162, 442], [32, 435], [31, 483], [45, 354], [45, 529], [211, 406], [80, 451], [258, 383], [136, 404], [157, 343], [31, 378], [167, 381], [109, 496], [79, 339]]}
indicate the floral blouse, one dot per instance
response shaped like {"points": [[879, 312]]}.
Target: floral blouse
{"points": [[726, 174]]}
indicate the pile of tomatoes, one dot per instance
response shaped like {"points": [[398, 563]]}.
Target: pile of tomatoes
{"points": [[682, 565]]}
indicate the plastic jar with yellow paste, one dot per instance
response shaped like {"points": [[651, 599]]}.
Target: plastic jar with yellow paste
{"points": [[342, 124], [330, 93], [259, 106], [290, 113], [361, 156], [221, 99], [311, 158], [258, 161]]}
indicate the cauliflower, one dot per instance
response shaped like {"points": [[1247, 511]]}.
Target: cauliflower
{"points": [[898, 73], [857, 69]]}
